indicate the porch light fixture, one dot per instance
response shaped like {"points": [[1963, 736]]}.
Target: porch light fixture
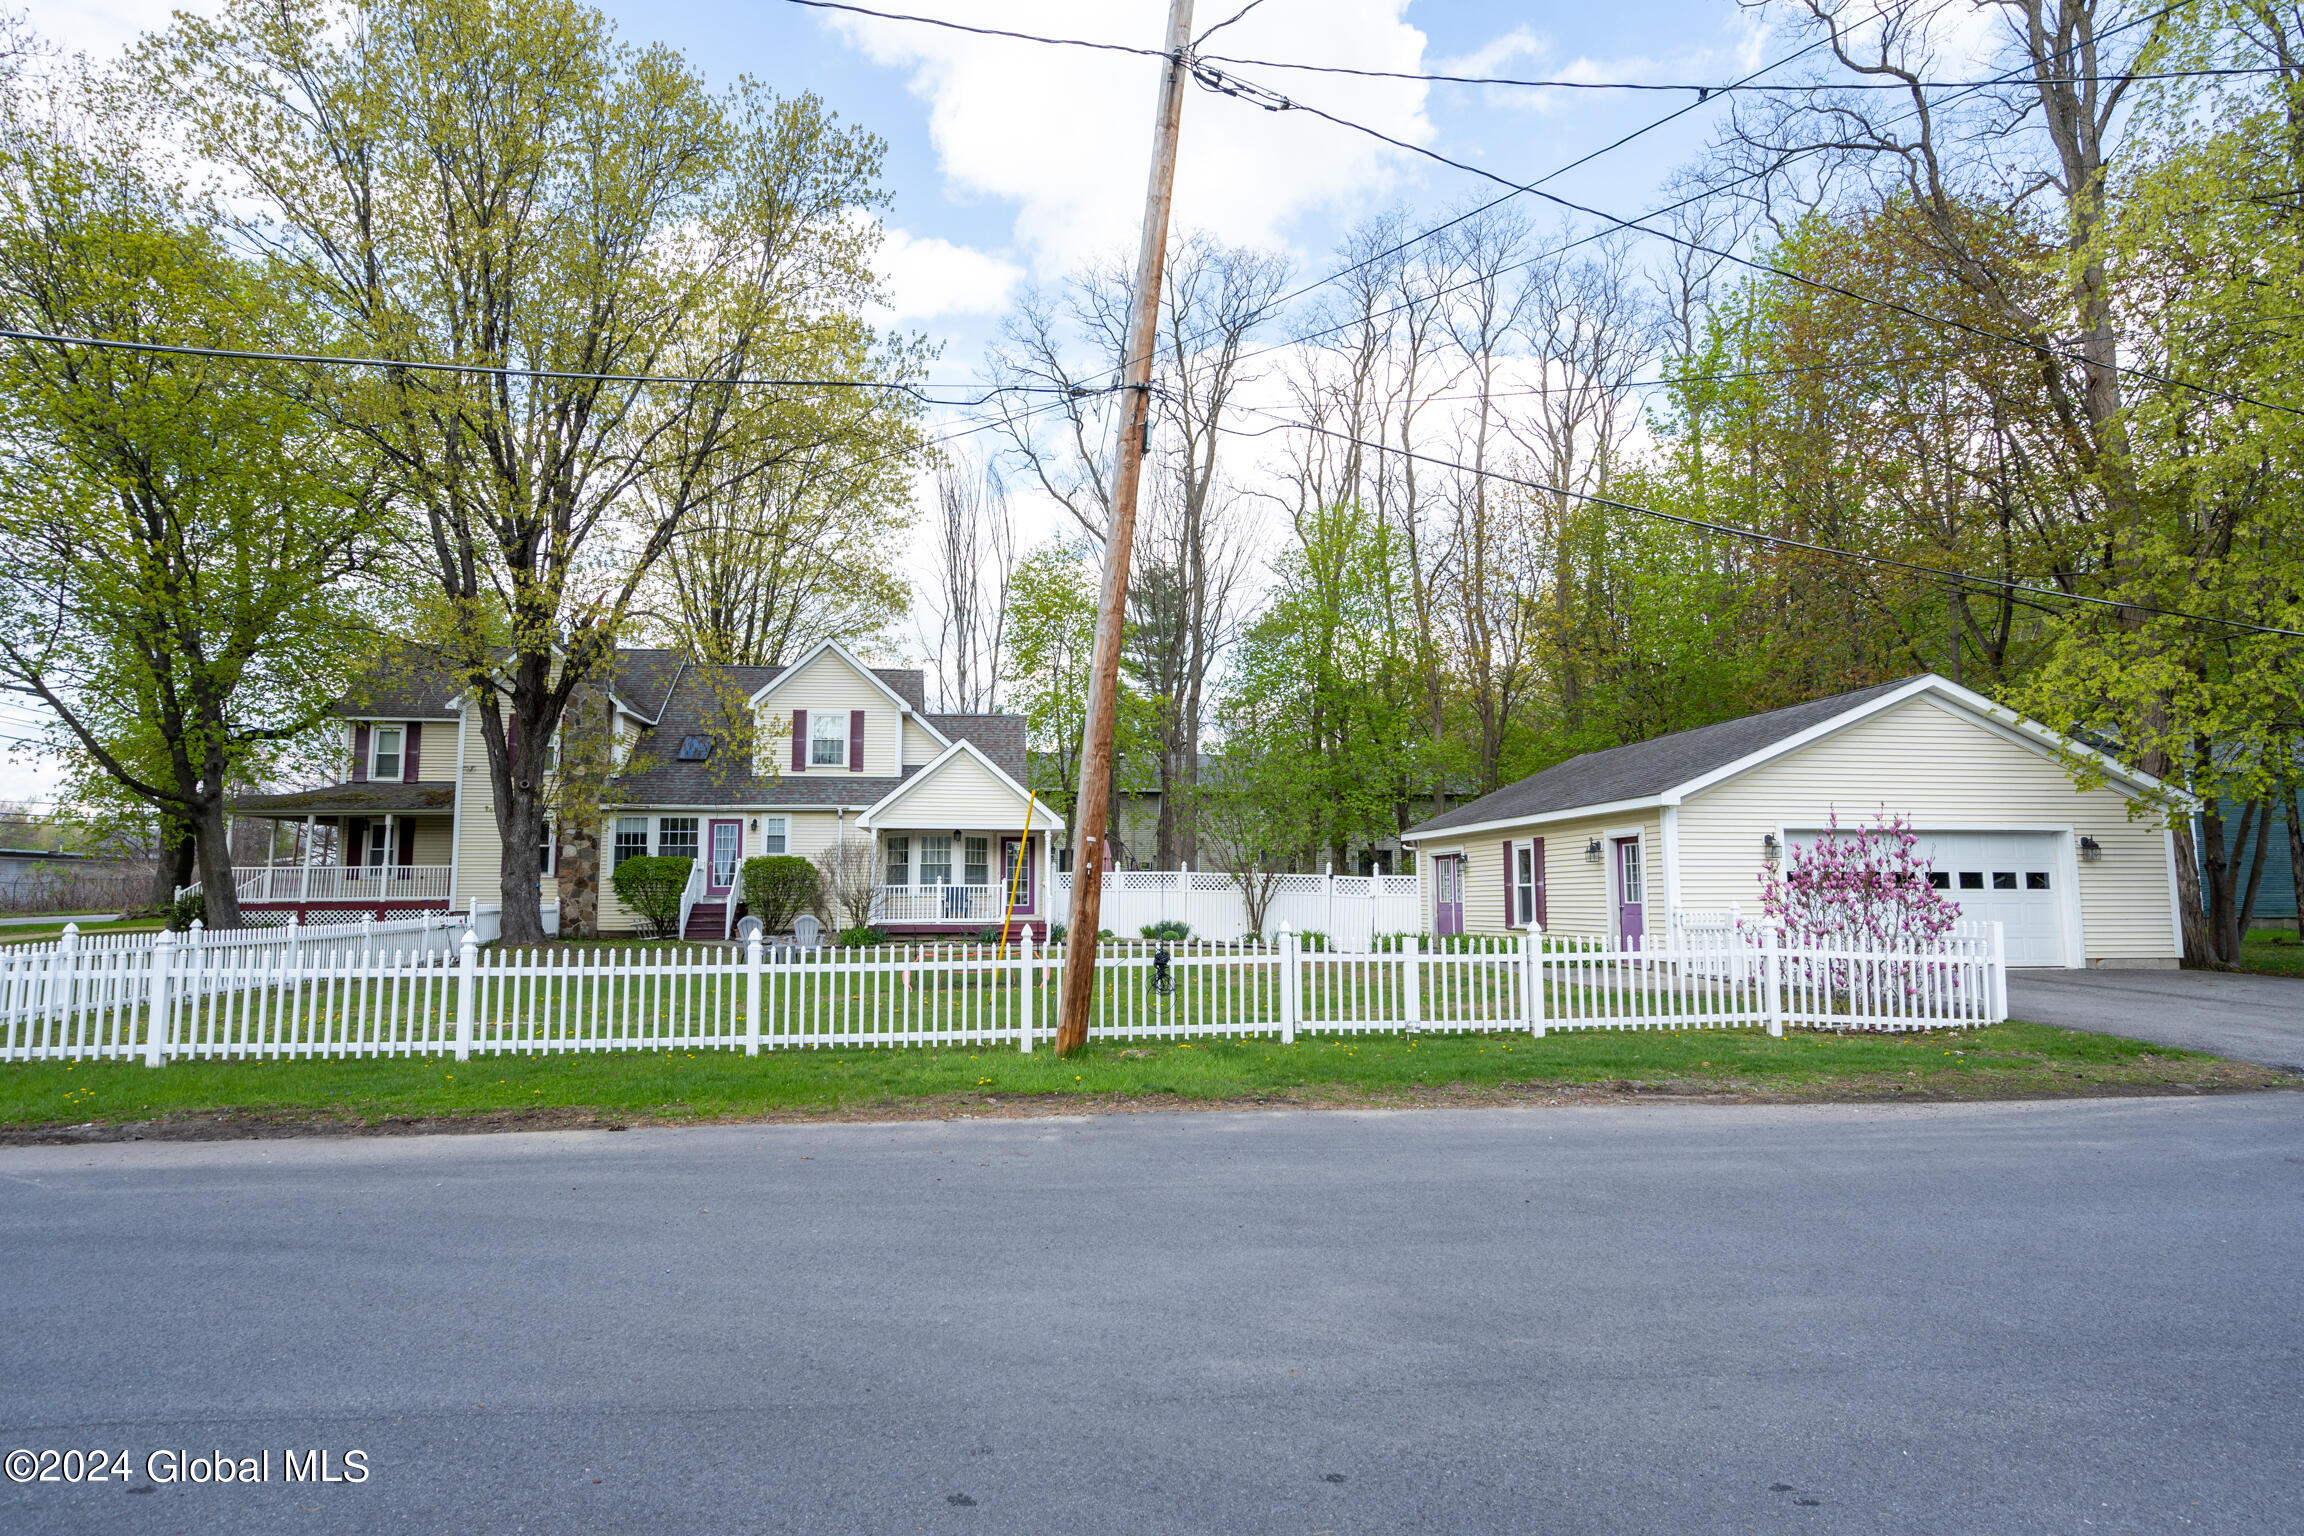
{"points": [[753, 825], [1592, 851], [2090, 850], [1770, 849]]}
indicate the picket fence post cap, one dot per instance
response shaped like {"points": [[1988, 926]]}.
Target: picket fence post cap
{"points": [[167, 939], [71, 930], [471, 938]]}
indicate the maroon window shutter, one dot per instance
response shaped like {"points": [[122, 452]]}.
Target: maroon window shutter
{"points": [[855, 741], [359, 754], [411, 763], [1509, 914], [1543, 907], [405, 854], [799, 739]]}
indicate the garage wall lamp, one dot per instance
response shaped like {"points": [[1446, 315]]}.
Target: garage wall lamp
{"points": [[1592, 851], [1770, 849], [2090, 850]]}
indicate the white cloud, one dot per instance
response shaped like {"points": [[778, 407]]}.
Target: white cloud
{"points": [[1497, 53], [1063, 133], [928, 277], [101, 28]]}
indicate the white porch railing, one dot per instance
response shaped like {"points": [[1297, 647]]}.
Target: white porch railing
{"points": [[368, 884], [366, 993], [690, 894], [983, 905]]}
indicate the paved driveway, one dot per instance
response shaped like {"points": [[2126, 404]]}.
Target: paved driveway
{"points": [[2003, 1318], [2248, 1018]]}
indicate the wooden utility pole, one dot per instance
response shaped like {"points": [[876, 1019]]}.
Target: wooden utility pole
{"points": [[1092, 809]]}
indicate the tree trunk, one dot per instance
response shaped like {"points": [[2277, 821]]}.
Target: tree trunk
{"points": [[2292, 802], [218, 893], [175, 866], [2199, 948]]}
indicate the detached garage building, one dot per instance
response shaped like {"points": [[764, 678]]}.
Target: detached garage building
{"points": [[1607, 844]]}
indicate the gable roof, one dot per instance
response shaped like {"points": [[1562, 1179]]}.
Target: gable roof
{"points": [[966, 748], [885, 682], [1664, 768], [699, 701]]}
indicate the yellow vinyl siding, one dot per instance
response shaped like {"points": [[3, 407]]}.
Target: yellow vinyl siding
{"points": [[479, 851], [1576, 892], [432, 840], [827, 684], [806, 834], [960, 794], [919, 746], [1945, 773]]}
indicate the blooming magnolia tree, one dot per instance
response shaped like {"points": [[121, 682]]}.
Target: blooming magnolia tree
{"points": [[1861, 886]]}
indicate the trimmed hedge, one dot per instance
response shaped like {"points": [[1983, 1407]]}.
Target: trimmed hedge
{"points": [[778, 887], [651, 887]]}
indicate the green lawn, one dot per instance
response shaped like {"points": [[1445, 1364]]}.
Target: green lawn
{"points": [[45, 933], [2008, 1060], [2272, 953]]}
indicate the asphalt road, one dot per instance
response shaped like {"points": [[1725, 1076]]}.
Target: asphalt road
{"points": [[2248, 1018], [2005, 1318]]}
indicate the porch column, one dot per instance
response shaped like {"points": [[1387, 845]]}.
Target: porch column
{"points": [[384, 870], [311, 845]]}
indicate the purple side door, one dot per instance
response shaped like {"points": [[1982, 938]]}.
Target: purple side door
{"points": [[1630, 918], [1448, 895]]}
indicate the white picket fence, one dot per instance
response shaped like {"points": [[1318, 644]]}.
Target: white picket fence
{"points": [[409, 993], [1353, 911]]}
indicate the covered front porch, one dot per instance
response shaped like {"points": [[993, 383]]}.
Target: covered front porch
{"points": [[385, 849], [960, 881]]}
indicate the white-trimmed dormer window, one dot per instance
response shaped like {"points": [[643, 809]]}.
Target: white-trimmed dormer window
{"points": [[384, 742], [828, 738]]}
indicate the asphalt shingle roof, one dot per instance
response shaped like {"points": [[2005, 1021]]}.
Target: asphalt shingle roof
{"points": [[1649, 767], [350, 799]]}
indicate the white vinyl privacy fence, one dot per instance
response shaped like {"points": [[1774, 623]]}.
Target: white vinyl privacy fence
{"points": [[433, 990], [1351, 911]]}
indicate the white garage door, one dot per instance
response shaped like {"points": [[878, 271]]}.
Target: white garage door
{"points": [[2013, 878]]}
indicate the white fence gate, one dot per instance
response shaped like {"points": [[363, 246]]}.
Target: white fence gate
{"points": [[429, 989]]}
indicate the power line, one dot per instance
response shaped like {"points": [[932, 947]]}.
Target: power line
{"points": [[956, 26], [1706, 92], [1754, 535], [1443, 227], [1247, 90], [492, 370]]}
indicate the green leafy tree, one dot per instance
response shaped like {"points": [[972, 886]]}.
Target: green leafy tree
{"points": [[580, 253], [175, 531]]}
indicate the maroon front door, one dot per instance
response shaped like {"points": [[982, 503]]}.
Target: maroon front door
{"points": [[1630, 926], [725, 848], [1011, 849], [1448, 895]]}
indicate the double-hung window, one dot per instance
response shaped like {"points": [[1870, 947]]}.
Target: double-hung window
{"points": [[975, 861], [899, 861], [676, 837], [384, 752], [773, 838], [936, 859], [828, 739], [544, 849], [631, 838], [1524, 880]]}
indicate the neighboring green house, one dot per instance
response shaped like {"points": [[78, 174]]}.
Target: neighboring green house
{"points": [[2276, 893]]}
